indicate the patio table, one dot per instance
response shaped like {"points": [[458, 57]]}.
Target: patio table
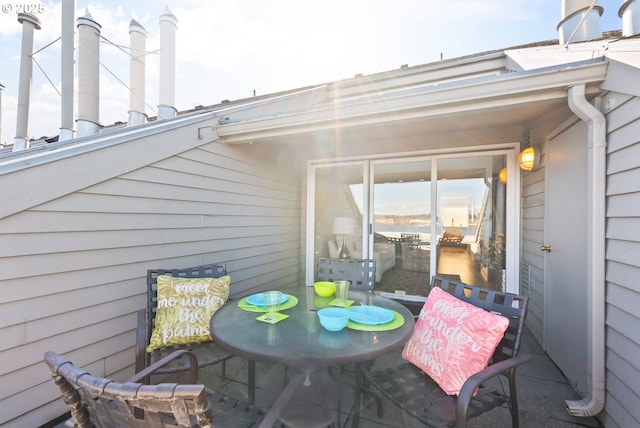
{"points": [[300, 341]]}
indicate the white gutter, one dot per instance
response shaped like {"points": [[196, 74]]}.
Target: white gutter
{"points": [[593, 403]]}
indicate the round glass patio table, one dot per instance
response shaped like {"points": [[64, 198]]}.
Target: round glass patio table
{"points": [[300, 340]]}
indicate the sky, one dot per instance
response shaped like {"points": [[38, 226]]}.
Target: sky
{"points": [[231, 49]]}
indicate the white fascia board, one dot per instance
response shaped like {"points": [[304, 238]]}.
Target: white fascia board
{"points": [[457, 97], [622, 49], [68, 148], [488, 64], [302, 97]]}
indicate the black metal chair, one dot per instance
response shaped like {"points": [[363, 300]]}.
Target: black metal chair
{"points": [[417, 394], [208, 353], [103, 403], [361, 273]]}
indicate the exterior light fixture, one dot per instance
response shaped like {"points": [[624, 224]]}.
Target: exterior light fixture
{"points": [[527, 159], [502, 176]]}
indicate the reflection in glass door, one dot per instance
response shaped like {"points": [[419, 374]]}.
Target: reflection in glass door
{"points": [[444, 215], [471, 208], [402, 226], [337, 223]]}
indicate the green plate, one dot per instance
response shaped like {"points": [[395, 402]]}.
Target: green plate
{"points": [[398, 321], [290, 303]]}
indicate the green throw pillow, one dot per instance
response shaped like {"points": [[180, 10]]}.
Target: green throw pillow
{"points": [[185, 308]]}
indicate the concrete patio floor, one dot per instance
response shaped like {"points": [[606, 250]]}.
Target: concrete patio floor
{"points": [[542, 391]]}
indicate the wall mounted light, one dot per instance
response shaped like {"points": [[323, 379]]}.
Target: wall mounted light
{"points": [[502, 176], [527, 158]]}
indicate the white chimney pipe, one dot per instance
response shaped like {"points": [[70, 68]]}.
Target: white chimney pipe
{"points": [[88, 75], [29, 23], [66, 60], [138, 42], [580, 21], [168, 26], [630, 14]]}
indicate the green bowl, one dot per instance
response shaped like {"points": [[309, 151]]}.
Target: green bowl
{"points": [[324, 288]]}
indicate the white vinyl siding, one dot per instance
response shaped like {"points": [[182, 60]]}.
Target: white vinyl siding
{"points": [[72, 269], [623, 261], [532, 261]]}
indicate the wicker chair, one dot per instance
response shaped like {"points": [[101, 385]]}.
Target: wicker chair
{"points": [[102, 403], [361, 273], [207, 352], [414, 392]]}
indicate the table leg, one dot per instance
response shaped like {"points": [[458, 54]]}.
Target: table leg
{"points": [[274, 412], [355, 419]]}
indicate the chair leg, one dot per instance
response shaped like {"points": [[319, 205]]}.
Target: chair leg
{"points": [[513, 398], [251, 382]]}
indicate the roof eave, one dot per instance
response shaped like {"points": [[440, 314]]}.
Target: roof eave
{"points": [[431, 100]]}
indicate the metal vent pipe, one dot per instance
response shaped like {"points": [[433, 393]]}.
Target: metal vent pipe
{"points": [[138, 37], [580, 21], [630, 14], [29, 24], [88, 75], [168, 26], [66, 63]]}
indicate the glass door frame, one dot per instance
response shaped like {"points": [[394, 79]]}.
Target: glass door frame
{"points": [[513, 209]]}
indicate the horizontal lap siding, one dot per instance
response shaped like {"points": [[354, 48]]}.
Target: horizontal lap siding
{"points": [[532, 237], [623, 262], [72, 270]]}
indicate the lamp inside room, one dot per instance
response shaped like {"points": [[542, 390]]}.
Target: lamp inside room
{"points": [[343, 226]]}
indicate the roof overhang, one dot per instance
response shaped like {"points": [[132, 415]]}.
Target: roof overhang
{"points": [[497, 100]]}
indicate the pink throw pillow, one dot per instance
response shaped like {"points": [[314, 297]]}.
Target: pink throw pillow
{"points": [[453, 339]]}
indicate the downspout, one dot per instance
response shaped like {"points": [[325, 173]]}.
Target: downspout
{"points": [[593, 403]]}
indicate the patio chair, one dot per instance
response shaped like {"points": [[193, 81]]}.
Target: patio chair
{"points": [[452, 236], [411, 389], [361, 273], [207, 352], [103, 403], [412, 240]]}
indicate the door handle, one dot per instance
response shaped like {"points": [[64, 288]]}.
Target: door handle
{"points": [[546, 248]]}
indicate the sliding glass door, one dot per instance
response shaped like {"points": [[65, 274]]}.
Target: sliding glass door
{"points": [[448, 215], [402, 225], [338, 212], [471, 222]]}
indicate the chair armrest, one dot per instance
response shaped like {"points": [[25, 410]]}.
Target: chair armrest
{"points": [[471, 384], [193, 367]]}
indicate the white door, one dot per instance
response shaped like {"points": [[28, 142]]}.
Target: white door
{"points": [[565, 279]]}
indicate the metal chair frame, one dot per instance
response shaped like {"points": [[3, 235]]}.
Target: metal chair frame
{"points": [[207, 353], [417, 394], [361, 273], [103, 403]]}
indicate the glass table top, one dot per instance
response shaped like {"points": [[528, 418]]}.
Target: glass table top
{"points": [[300, 340]]}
